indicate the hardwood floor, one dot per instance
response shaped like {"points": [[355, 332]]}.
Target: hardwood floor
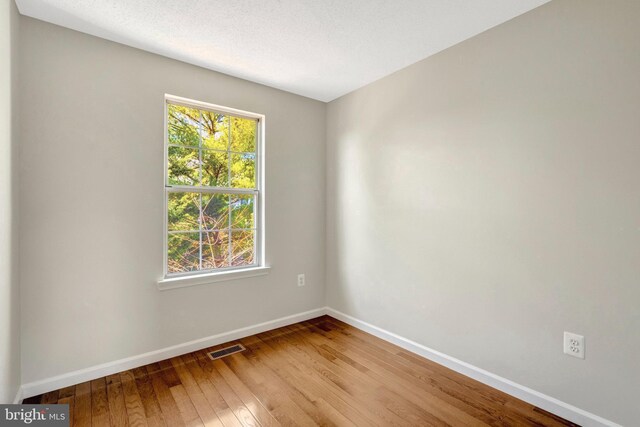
{"points": [[320, 372]]}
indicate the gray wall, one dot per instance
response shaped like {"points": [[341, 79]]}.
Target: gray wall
{"points": [[9, 290], [91, 204], [486, 199]]}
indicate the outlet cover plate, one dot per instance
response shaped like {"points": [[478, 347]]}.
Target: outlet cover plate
{"points": [[574, 345]]}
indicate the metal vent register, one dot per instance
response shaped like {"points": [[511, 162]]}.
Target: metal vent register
{"points": [[237, 348]]}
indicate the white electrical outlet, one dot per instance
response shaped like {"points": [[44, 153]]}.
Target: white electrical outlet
{"points": [[301, 280], [574, 345]]}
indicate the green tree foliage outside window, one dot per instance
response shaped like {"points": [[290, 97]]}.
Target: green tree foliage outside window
{"points": [[211, 197]]}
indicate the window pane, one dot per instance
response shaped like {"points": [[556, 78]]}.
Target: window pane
{"points": [[215, 131], [242, 211], [242, 247], [183, 252], [243, 170], [184, 166], [184, 210], [215, 211], [215, 168], [209, 230], [243, 134], [215, 249], [183, 125]]}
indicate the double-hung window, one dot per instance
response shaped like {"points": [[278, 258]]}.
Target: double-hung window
{"points": [[213, 188]]}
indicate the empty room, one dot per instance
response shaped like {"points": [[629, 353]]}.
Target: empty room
{"points": [[240, 213]]}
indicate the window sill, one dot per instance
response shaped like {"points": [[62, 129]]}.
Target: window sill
{"points": [[203, 279]]}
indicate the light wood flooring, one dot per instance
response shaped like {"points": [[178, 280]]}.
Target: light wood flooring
{"points": [[319, 372]]}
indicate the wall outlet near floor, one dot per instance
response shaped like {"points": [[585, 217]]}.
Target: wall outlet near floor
{"points": [[301, 280], [574, 345]]}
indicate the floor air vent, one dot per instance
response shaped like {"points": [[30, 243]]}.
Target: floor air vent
{"points": [[226, 351]]}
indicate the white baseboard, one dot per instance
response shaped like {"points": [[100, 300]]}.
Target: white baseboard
{"points": [[49, 384], [548, 403], [18, 398]]}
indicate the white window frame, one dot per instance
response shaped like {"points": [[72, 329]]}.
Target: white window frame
{"points": [[259, 267]]}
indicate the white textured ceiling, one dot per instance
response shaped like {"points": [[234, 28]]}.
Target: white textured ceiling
{"points": [[317, 48]]}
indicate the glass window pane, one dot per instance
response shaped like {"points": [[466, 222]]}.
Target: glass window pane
{"points": [[184, 211], [215, 131], [243, 170], [215, 211], [215, 168], [184, 166], [207, 230], [183, 252], [242, 247], [243, 134], [215, 249], [242, 211], [183, 125]]}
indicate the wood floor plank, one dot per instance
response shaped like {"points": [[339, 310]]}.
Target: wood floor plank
{"points": [[302, 387], [147, 394], [67, 392], [319, 372], [132, 400], [82, 407], [185, 406], [360, 395], [284, 401], [336, 396], [211, 393], [117, 406], [206, 413], [169, 374], [260, 413], [166, 402], [235, 403], [50, 397], [156, 421], [69, 401], [99, 403]]}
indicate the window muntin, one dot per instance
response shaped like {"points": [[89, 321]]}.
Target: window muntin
{"points": [[212, 188]]}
